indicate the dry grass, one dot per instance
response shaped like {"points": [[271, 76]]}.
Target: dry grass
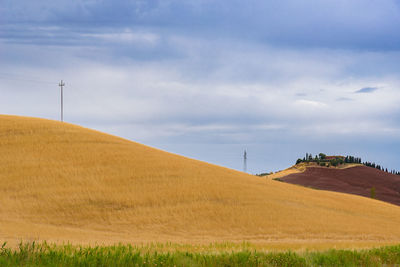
{"points": [[294, 169], [301, 167], [60, 182]]}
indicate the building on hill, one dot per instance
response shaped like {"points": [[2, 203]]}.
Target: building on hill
{"points": [[333, 160]]}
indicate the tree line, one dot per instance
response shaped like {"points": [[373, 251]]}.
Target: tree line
{"points": [[324, 160], [379, 167]]}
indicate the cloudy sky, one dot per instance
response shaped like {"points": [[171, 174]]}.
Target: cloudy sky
{"points": [[208, 79]]}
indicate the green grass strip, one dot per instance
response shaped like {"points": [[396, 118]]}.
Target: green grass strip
{"points": [[43, 254]]}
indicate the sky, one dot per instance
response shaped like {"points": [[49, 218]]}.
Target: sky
{"points": [[209, 79]]}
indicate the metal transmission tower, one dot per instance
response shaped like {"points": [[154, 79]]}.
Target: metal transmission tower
{"points": [[62, 84], [245, 161]]}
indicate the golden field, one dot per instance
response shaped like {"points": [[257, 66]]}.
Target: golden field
{"points": [[64, 183]]}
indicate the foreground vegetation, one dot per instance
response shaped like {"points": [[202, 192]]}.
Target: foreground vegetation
{"points": [[43, 254]]}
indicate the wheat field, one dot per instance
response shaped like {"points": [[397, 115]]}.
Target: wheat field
{"points": [[64, 183]]}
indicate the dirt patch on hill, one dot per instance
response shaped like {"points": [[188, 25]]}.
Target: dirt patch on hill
{"points": [[356, 180]]}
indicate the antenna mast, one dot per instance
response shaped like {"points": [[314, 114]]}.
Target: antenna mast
{"points": [[245, 161], [62, 84]]}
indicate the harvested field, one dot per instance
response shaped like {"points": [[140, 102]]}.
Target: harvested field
{"points": [[356, 180], [64, 183]]}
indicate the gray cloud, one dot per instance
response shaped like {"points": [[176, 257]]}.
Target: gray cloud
{"points": [[344, 99], [366, 90], [186, 76], [301, 94], [327, 24]]}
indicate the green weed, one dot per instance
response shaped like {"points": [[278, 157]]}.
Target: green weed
{"points": [[44, 254]]}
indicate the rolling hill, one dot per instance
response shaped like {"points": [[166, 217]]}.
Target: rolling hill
{"points": [[357, 180], [61, 182]]}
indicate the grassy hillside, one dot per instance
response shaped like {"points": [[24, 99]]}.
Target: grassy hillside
{"points": [[62, 182], [303, 166]]}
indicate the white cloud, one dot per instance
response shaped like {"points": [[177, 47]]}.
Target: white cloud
{"points": [[126, 36], [210, 92], [309, 104]]}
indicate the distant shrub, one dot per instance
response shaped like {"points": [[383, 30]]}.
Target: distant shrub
{"points": [[264, 174], [322, 164], [373, 194]]}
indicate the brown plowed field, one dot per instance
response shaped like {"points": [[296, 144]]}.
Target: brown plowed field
{"points": [[356, 180]]}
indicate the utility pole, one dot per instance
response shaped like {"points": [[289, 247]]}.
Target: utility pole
{"points": [[62, 84], [245, 161]]}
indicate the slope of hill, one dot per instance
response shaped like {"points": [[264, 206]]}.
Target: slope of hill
{"points": [[60, 182], [357, 180], [301, 167]]}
